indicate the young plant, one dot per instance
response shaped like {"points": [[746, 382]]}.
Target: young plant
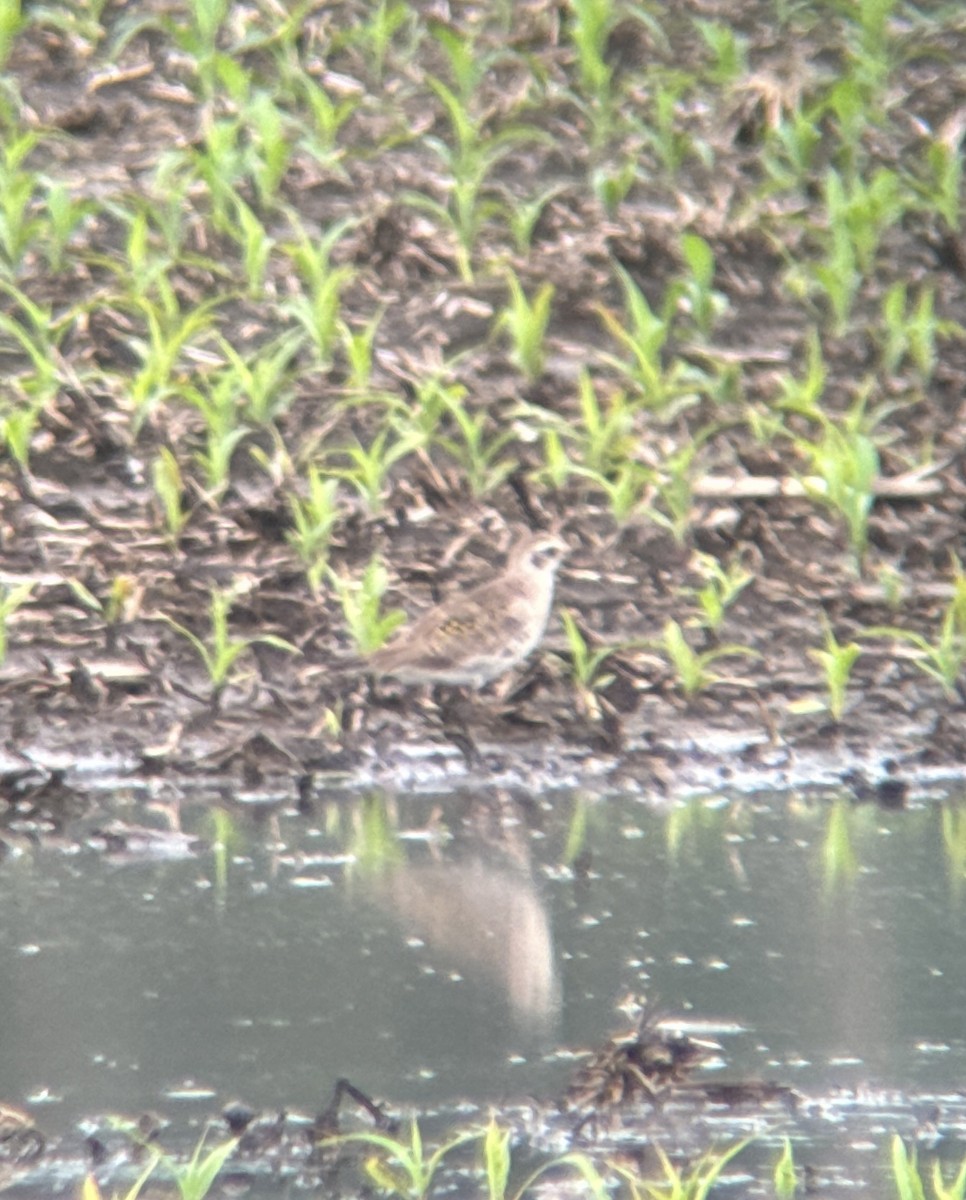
{"points": [[10, 600], [677, 1184], [218, 402], [909, 1181], [910, 329], [722, 587], [666, 390], [19, 224], [704, 303], [194, 1178], [357, 346], [526, 322], [586, 663], [220, 652], [692, 668], [369, 466], [943, 658], [361, 601], [398, 1167], [169, 488], [314, 517], [836, 661], [262, 380], [480, 457]]}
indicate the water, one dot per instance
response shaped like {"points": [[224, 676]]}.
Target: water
{"points": [[437, 950]]}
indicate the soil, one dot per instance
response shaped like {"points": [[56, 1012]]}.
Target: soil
{"points": [[85, 689], [76, 688]]}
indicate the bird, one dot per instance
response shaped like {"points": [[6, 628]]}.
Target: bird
{"points": [[473, 637]]}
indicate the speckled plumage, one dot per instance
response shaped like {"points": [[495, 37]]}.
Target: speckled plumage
{"points": [[475, 636]]}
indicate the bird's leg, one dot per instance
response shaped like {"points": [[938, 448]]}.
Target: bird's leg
{"points": [[451, 703]]}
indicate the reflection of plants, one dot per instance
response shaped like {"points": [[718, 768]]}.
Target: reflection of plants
{"points": [[361, 601], [909, 1181], [784, 1176], [677, 1184], [374, 844], [954, 841], [839, 862]]}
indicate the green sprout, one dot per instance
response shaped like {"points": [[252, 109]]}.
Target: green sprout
{"points": [[526, 322], [220, 652], [693, 667], [10, 600], [836, 661], [361, 601], [314, 518]]}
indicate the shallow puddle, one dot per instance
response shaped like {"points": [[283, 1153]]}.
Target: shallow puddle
{"points": [[450, 949]]}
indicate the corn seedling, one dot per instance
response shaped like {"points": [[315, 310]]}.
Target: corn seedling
{"points": [[314, 518], [845, 462], [612, 181], [691, 667], [63, 215], [220, 652], [270, 149], [374, 38], [357, 346], [704, 304], [836, 661], [10, 600], [361, 601], [262, 383], [123, 600], [169, 331], [479, 456], [943, 658], [369, 466], [90, 1189], [316, 308], [400, 1168], [675, 492], [590, 26], [941, 187], [526, 322], [585, 663], [11, 22], [624, 488], [666, 390], [19, 225], [604, 435], [328, 115], [169, 488], [218, 402], [255, 244], [672, 144], [728, 49], [722, 587], [910, 329], [522, 215]]}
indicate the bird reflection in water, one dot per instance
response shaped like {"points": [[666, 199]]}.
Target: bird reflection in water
{"points": [[489, 922]]}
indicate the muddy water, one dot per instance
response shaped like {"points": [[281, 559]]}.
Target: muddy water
{"points": [[459, 948]]}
